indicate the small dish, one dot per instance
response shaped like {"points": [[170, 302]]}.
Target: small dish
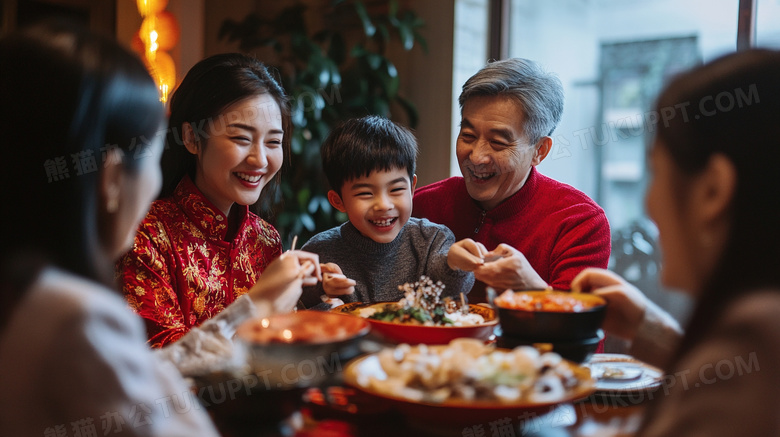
{"points": [[619, 375]]}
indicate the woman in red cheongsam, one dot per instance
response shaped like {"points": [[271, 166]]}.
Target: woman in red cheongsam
{"points": [[200, 248]]}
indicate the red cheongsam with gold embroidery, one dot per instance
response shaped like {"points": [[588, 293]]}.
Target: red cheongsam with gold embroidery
{"points": [[181, 270]]}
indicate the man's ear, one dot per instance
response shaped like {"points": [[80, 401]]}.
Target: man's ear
{"points": [[335, 200], [414, 183], [191, 142], [542, 149]]}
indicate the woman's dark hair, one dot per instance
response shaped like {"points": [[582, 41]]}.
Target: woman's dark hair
{"points": [[209, 87], [69, 100], [362, 145], [731, 106]]}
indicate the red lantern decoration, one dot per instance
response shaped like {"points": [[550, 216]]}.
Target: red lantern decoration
{"points": [[159, 33], [151, 7], [163, 71], [138, 45], [166, 28]]}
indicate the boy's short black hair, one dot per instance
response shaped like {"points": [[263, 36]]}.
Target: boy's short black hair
{"points": [[362, 145]]}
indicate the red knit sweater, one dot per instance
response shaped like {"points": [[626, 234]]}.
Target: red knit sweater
{"points": [[558, 228]]}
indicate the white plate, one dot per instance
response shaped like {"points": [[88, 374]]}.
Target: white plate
{"points": [[623, 375]]}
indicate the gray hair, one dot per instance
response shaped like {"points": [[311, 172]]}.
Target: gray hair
{"points": [[539, 93]]}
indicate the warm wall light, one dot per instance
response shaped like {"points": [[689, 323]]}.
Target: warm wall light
{"points": [[159, 33]]}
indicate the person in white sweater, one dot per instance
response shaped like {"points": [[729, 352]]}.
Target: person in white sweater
{"points": [[80, 121], [713, 195]]}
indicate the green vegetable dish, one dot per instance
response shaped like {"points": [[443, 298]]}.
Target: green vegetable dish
{"points": [[423, 305]]}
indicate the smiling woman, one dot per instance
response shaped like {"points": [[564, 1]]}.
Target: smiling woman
{"points": [[200, 248], [234, 164]]}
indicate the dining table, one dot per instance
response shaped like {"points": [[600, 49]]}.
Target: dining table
{"points": [[333, 412]]}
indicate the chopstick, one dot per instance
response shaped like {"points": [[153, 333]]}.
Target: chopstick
{"points": [[464, 309], [292, 248]]}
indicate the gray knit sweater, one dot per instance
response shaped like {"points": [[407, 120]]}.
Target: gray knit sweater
{"points": [[379, 268]]}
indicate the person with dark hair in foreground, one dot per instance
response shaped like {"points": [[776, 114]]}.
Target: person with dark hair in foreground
{"points": [[82, 173], [713, 195]]}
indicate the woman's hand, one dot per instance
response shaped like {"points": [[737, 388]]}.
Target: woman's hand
{"points": [[626, 305], [282, 281], [310, 266], [466, 254], [509, 268], [334, 282]]}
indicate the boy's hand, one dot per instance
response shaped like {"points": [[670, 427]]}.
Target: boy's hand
{"points": [[334, 282], [466, 254]]}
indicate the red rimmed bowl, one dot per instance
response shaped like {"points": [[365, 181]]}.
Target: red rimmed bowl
{"points": [[301, 349], [548, 316], [284, 356], [456, 414], [395, 332]]}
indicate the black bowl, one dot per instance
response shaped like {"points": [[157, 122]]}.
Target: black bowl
{"points": [[578, 351], [243, 407], [541, 326]]}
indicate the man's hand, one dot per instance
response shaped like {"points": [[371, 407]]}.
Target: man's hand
{"points": [[507, 267], [334, 283], [466, 255]]}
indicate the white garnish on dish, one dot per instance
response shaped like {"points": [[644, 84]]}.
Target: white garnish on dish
{"points": [[367, 312]]}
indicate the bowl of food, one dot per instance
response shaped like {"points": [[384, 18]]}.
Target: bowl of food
{"points": [[466, 382], [423, 316], [549, 316], [300, 349], [280, 357]]}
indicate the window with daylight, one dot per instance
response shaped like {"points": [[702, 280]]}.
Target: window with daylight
{"points": [[613, 57]]}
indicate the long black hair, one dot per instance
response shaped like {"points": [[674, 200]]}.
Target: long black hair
{"points": [[70, 99], [731, 106], [209, 87]]}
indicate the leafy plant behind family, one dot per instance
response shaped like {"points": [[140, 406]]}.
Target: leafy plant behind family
{"points": [[337, 72]]}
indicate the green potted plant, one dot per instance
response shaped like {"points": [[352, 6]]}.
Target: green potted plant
{"points": [[331, 74]]}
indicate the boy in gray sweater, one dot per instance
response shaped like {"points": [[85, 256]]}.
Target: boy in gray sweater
{"points": [[370, 163]]}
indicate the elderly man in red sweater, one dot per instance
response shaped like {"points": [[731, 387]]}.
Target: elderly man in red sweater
{"points": [[539, 232]]}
